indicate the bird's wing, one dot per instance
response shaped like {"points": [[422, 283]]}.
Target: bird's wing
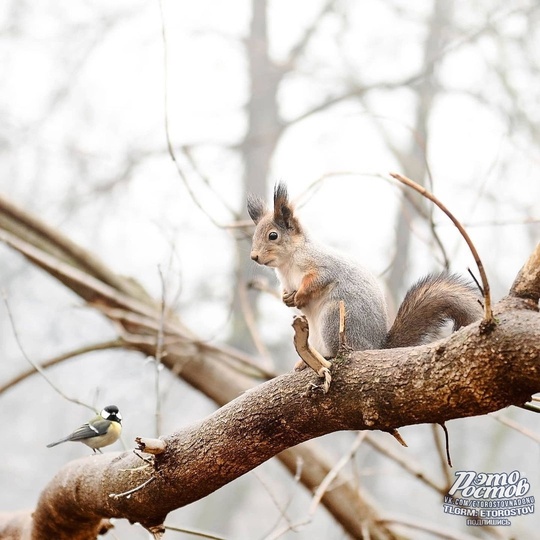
{"points": [[87, 431]]}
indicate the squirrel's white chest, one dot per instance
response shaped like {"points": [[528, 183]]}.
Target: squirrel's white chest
{"points": [[290, 277]]}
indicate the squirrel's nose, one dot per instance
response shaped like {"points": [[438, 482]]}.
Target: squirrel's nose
{"points": [[255, 256]]}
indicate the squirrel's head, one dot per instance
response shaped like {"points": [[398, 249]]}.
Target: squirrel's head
{"points": [[278, 233]]}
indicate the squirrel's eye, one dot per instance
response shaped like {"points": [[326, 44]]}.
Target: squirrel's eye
{"points": [[273, 235]]}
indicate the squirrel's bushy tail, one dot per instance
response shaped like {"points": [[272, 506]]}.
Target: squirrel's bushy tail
{"points": [[429, 304]]}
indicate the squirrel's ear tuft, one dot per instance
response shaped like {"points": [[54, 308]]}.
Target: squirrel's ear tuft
{"points": [[283, 210], [256, 208], [280, 194]]}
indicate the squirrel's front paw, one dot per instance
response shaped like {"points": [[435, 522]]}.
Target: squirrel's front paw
{"points": [[301, 299], [289, 298]]}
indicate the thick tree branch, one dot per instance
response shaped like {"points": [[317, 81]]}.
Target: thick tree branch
{"points": [[220, 372], [466, 374], [36, 233]]}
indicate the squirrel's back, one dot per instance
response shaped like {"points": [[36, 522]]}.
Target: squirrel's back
{"points": [[366, 320]]}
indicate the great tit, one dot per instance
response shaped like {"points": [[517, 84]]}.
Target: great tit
{"points": [[102, 430]]}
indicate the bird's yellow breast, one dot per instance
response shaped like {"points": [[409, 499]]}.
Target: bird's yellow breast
{"points": [[112, 435]]}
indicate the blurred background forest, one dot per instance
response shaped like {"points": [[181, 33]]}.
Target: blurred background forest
{"points": [[325, 95]]}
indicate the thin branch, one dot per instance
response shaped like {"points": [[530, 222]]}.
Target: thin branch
{"points": [[187, 149], [134, 490], [488, 312], [282, 509], [159, 352], [194, 533], [300, 47], [517, 427], [342, 337], [102, 346], [426, 527], [427, 68], [251, 324], [332, 475], [443, 458], [322, 488], [296, 481], [170, 147], [404, 462], [37, 367]]}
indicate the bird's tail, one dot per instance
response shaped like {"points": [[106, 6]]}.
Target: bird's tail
{"points": [[65, 439], [429, 304]]}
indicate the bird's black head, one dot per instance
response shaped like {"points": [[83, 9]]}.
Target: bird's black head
{"points": [[111, 412]]}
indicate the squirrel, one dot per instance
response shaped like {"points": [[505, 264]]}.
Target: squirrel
{"points": [[315, 279]]}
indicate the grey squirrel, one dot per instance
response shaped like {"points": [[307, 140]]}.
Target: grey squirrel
{"points": [[315, 279]]}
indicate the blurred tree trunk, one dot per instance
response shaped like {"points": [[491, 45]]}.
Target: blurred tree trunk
{"points": [[257, 148], [414, 161]]}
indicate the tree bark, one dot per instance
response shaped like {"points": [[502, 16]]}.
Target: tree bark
{"points": [[469, 373]]}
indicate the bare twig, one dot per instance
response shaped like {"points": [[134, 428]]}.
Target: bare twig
{"points": [[308, 354], [391, 452], [518, 427], [441, 453], [131, 491], [281, 508], [300, 46], [323, 488], [194, 533], [261, 284], [103, 346], [446, 443], [170, 147], [395, 433], [37, 367], [249, 318], [332, 475], [342, 337], [488, 313], [159, 352]]}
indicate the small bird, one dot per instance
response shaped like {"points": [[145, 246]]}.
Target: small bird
{"points": [[102, 430]]}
